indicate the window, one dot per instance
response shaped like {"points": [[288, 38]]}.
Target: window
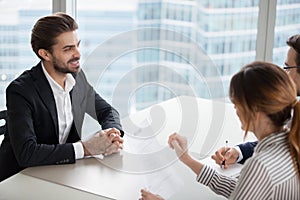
{"points": [[174, 35], [205, 42], [16, 21], [287, 23]]}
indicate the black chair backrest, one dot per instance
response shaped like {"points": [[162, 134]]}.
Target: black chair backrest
{"points": [[3, 115]]}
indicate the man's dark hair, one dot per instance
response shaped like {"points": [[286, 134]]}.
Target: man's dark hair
{"points": [[294, 42], [46, 29]]}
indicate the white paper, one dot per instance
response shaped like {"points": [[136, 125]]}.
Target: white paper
{"points": [[233, 170]]}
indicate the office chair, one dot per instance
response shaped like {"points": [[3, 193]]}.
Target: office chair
{"points": [[3, 115]]}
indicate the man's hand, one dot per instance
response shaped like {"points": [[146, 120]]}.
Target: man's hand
{"points": [[117, 141], [104, 142], [230, 157]]}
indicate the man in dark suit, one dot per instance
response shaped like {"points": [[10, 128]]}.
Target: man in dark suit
{"points": [[46, 105], [242, 152]]}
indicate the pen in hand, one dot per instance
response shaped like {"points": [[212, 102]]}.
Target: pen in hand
{"points": [[225, 147]]}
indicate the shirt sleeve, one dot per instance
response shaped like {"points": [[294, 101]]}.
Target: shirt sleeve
{"points": [[218, 183], [78, 149], [247, 150], [240, 158]]}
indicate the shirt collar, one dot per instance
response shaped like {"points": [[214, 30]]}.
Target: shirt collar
{"points": [[272, 139], [70, 81]]}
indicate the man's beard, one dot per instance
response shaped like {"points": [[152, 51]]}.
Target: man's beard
{"points": [[63, 70]]}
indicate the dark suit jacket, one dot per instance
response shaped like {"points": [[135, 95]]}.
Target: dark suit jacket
{"points": [[247, 150], [32, 122]]}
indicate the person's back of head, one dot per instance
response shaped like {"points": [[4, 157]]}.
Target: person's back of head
{"points": [[47, 28], [265, 87]]}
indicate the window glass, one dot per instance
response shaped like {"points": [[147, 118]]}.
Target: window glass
{"points": [[141, 52], [287, 24], [16, 21]]}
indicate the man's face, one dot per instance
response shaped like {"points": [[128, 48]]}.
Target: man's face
{"points": [[65, 54], [291, 62]]}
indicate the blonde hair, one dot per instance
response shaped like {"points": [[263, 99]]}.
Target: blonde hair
{"points": [[265, 87]]}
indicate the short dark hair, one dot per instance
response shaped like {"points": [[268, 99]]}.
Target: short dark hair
{"points": [[47, 28], [294, 42]]}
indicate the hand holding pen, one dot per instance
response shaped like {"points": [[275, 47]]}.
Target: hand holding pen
{"points": [[225, 156], [224, 153]]}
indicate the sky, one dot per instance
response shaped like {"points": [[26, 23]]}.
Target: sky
{"points": [[9, 8], [107, 4]]}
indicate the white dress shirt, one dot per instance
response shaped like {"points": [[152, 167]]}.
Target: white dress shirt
{"points": [[64, 110]]}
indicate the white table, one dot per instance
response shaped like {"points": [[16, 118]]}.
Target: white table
{"points": [[146, 161]]}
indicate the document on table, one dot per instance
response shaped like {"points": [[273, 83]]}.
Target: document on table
{"points": [[141, 140], [164, 182], [232, 170]]}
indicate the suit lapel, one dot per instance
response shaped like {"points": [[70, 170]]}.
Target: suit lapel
{"points": [[43, 87]]}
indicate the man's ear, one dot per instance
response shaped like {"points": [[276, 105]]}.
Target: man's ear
{"points": [[44, 54]]}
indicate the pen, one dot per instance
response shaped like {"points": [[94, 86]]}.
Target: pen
{"points": [[226, 145]]}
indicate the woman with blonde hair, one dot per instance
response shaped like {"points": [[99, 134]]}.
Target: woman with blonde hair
{"points": [[265, 99]]}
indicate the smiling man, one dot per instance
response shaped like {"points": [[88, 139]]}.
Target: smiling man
{"points": [[46, 105]]}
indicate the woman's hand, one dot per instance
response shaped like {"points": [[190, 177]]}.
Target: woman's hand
{"points": [[226, 156], [146, 195], [180, 145]]}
